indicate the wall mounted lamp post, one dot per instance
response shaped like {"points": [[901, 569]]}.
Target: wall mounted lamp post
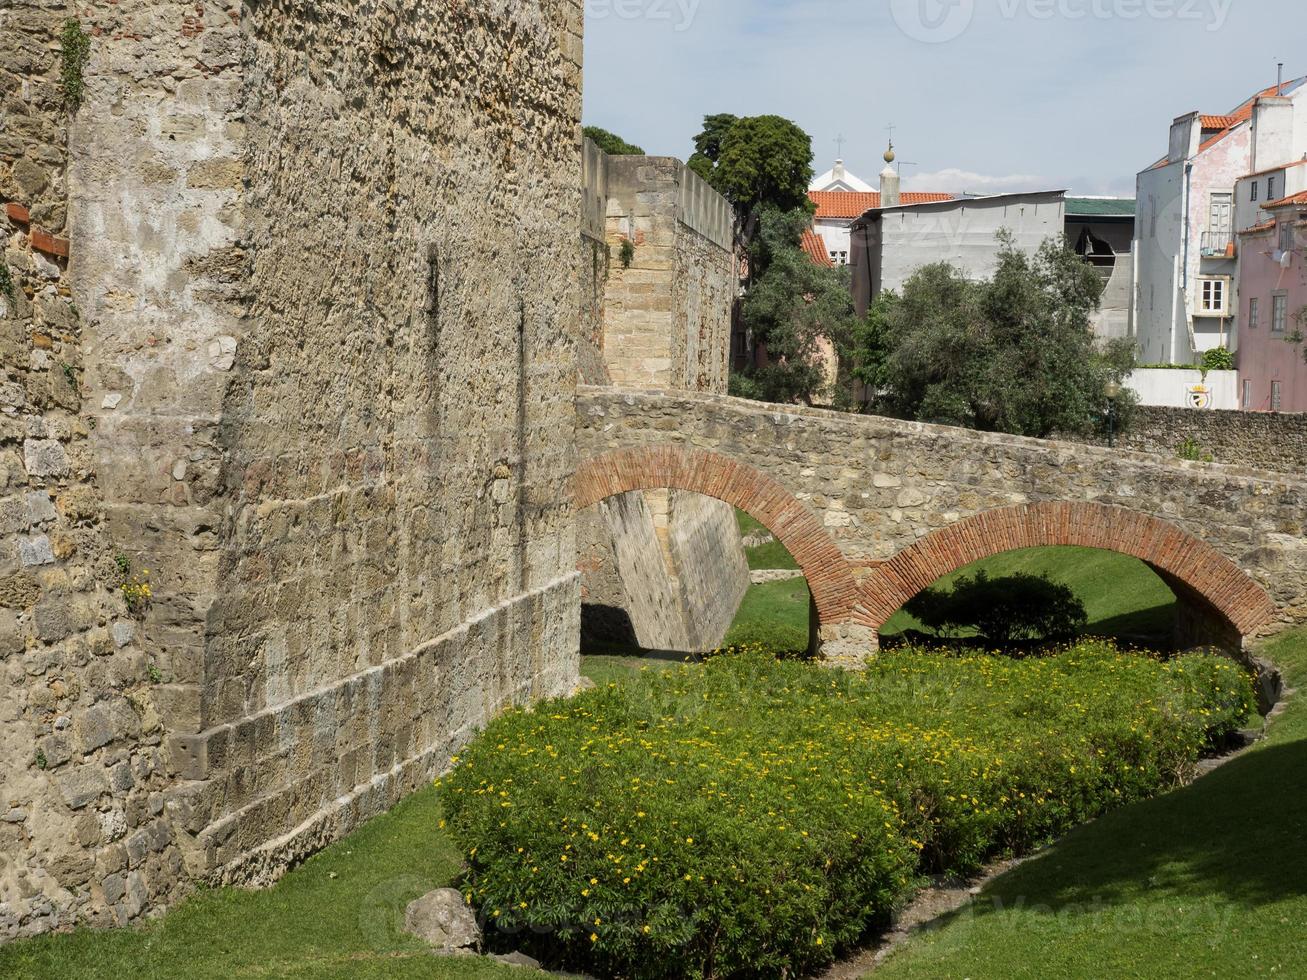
{"points": [[1113, 393]]}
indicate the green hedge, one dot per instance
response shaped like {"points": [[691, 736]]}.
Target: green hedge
{"points": [[749, 817]]}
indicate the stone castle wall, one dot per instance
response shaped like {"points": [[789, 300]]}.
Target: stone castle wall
{"points": [[323, 399], [1257, 439], [665, 571], [84, 775]]}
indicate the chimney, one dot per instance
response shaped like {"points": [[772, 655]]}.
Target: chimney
{"points": [[889, 182], [1186, 137], [1272, 137]]}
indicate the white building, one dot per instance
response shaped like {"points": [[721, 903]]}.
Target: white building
{"points": [[838, 207], [889, 244], [838, 179], [1186, 245]]}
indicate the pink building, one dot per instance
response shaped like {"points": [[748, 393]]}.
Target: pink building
{"points": [[1273, 295]]}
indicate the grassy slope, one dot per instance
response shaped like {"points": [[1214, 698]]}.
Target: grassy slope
{"points": [[1207, 881], [335, 916], [770, 555], [1122, 595], [782, 605]]}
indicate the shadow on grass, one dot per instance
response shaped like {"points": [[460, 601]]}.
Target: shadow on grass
{"points": [[1238, 834]]}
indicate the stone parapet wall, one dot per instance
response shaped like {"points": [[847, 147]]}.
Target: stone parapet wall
{"points": [[1257, 439], [663, 572]]}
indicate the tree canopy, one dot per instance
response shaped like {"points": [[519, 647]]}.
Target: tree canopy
{"points": [[754, 162], [793, 305], [611, 143], [1014, 353]]}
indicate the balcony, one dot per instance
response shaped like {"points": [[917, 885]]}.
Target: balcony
{"points": [[1217, 245]]}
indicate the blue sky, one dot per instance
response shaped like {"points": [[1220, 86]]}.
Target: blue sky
{"points": [[985, 95]]}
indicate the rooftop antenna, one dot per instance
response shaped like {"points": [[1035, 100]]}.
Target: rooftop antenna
{"points": [[906, 163]]}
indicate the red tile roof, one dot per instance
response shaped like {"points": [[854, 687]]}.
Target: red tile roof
{"points": [[1241, 115], [1276, 170], [854, 204], [1220, 122], [815, 247], [1293, 200], [1258, 229]]}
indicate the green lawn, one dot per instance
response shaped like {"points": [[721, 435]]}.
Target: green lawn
{"points": [[1123, 596], [769, 555], [1208, 881], [337, 915]]}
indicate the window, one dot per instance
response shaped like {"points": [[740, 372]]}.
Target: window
{"points": [[1212, 297], [1254, 313], [1270, 188], [1255, 186], [1280, 314], [1286, 235], [1220, 222], [1247, 394], [1275, 396]]}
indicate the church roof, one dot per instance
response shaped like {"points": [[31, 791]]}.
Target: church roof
{"points": [[838, 205], [845, 182]]}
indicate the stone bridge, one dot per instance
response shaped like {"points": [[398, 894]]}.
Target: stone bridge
{"points": [[874, 510]]}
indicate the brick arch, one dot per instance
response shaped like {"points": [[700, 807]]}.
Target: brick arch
{"points": [[792, 522], [1179, 557]]}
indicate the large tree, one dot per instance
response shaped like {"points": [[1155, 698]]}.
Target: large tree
{"points": [[708, 144], [611, 143], [755, 162], [793, 306], [1014, 353]]}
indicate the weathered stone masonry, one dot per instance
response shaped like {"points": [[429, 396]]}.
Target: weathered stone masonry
{"points": [[84, 775], [661, 570], [874, 510], [323, 397]]}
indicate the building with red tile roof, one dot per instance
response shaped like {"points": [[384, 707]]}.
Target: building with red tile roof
{"points": [[1189, 215]]}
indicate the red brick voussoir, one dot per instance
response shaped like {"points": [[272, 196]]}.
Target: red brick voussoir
{"points": [[1162, 545], [792, 522]]}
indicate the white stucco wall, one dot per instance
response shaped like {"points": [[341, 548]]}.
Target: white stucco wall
{"points": [[964, 234], [1177, 389]]}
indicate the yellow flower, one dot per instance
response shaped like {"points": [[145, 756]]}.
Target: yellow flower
{"points": [[594, 938]]}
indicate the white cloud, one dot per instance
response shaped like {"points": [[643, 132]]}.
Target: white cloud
{"points": [[968, 181]]}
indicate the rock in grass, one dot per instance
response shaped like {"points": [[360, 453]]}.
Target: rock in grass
{"points": [[517, 959], [443, 919]]}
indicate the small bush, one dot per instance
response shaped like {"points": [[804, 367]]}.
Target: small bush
{"points": [[1217, 359], [748, 817], [1014, 609], [75, 45], [1192, 450]]}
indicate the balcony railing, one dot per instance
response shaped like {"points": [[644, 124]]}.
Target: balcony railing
{"points": [[1218, 244]]}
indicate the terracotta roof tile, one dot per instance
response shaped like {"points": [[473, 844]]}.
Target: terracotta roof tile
{"points": [[1293, 200], [815, 247], [1237, 118], [1258, 229], [1220, 122], [854, 204]]}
